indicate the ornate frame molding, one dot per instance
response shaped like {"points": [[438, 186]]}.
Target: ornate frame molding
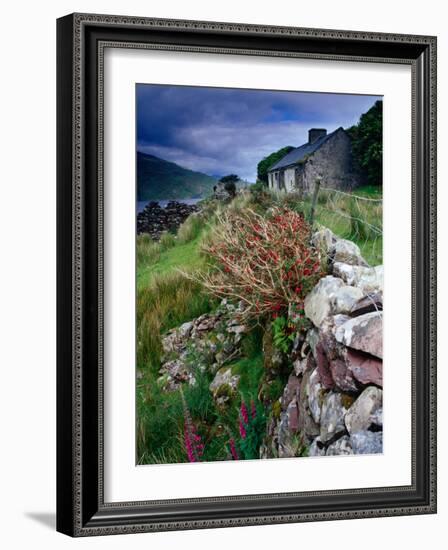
{"points": [[81, 40]]}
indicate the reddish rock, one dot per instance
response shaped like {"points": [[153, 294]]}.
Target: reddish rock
{"points": [[293, 417], [323, 367], [367, 369], [291, 391], [342, 375], [306, 424]]}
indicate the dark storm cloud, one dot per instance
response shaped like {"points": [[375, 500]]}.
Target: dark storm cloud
{"points": [[220, 131]]}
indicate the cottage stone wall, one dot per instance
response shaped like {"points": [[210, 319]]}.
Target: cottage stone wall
{"points": [[332, 164], [274, 180], [290, 179]]}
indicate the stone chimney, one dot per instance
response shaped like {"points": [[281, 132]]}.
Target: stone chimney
{"points": [[315, 133]]}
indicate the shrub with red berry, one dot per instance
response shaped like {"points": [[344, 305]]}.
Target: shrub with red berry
{"points": [[264, 261]]}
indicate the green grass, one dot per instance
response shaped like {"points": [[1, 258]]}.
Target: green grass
{"points": [[180, 256], [190, 229], [167, 240], [160, 414], [371, 245], [148, 251], [161, 421], [349, 218], [250, 370], [369, 191], [166, 299]]}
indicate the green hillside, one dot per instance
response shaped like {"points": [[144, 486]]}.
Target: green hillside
{"points": [[158, 179]]}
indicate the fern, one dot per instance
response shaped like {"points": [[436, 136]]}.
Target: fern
{"points": [[281, 336]]}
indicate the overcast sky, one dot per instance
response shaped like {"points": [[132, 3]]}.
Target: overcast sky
{"points": [[221, 130]]}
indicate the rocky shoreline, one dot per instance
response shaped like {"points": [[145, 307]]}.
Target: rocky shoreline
{"points": [[155, 220]]}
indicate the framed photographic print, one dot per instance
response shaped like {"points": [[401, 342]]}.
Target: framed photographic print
{"points": [[246, 274]]}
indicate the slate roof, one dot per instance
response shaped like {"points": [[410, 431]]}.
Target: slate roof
{"points": [[298, 154]]}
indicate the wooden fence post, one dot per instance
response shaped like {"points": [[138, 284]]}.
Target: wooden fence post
{"points": [[313, 204]]}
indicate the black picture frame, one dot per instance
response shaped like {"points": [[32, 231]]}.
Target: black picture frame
{"points": [[81, 39]]}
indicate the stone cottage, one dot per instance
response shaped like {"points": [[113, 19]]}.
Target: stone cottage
{"points": [[327, 157]]}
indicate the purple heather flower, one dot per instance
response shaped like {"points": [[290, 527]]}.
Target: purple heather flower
{"points": [[242, 430], [233, 449], [244, 413]]}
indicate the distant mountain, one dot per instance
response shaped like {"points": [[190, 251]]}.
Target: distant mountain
{"points": [[158, 179]]}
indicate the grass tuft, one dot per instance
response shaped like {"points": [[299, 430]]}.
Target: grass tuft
{"points": [[190, 229], [167, 240]]}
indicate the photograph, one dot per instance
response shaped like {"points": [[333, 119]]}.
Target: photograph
{"points": [[259, 274]]}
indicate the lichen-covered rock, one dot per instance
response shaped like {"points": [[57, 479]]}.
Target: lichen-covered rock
{"points": [[330, 297], [323, 240], [332, 416], [306, 424], [348, 252], [367, 279], [367, 369], [207, 342], [234, 326], [316, 394], [291, 390], [364, 333], [205, 322], [341, 446], [318, 303], [342, 376], [185, 329], [174, 373], [366, 443], [336, 249], [300, 366], [345, 299], [371, 281], [287, 430], [312, 339], [376, 418], [295, 420], [359, 416], [367, 304], [317, 448], [224, 385]]}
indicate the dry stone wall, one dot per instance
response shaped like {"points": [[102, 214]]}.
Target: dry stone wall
{"points": [[333, 399], [155, 220]]}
